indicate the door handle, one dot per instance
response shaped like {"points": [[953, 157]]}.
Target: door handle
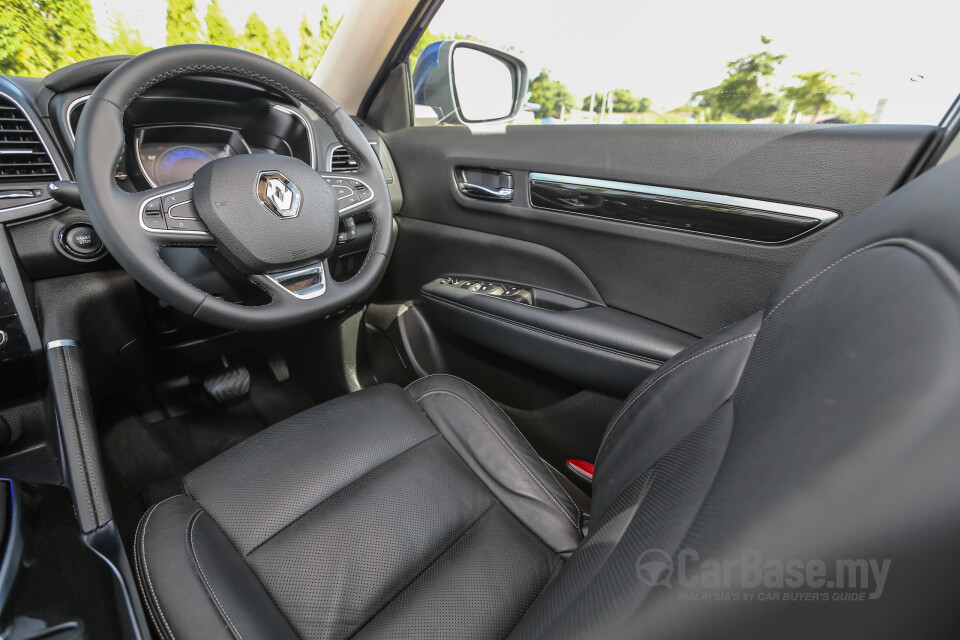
{"points": [[485, 193], [485, 184]]}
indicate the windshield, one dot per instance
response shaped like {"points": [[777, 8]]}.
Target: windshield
{"points": [[40, 36]]}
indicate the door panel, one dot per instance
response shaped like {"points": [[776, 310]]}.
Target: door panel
{"points": [[655, 280], [691, 282]]}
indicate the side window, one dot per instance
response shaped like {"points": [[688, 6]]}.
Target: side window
{"points": [[630, 62]]}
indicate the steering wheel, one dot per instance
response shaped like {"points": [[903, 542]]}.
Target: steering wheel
{"points": [[272, 216]]}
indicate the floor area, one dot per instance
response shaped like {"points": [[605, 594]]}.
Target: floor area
{"points": [[151, 437]]}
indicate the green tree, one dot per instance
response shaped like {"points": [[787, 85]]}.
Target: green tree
{"points": [[39, 36], [256, 35], [313, 44], [125, 39], [623, 102], [552, 95], [183, 25], [278, 48], [815, 92], [219, 29], [744, 93]]}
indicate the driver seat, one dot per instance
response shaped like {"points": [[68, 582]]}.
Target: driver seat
{"points": [[823, 427]]}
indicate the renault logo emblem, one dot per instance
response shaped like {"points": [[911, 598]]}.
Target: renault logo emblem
{"points": [[278, 194]]}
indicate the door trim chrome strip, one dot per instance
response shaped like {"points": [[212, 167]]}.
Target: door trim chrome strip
{"points": [[823, 217], [800, 211]]}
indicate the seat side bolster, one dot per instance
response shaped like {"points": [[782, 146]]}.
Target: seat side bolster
{"points": [[207, 590], [495, 450], [671, 403]]}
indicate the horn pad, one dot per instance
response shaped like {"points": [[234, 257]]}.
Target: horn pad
{"points": [[268, 212]]}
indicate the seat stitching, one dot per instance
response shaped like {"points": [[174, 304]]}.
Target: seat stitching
{"points": [[136, 566], [512, 452], [558, 336], [335, 494], [426, 568], [661, 377], [824, 270], [206, 583], [554, 476], [146, 568], [87, 454], [514, 424], [76, 443]]}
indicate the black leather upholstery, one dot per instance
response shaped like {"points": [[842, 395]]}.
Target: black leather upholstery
{"points": [[417, 513], [824, 428], [597, 347]]}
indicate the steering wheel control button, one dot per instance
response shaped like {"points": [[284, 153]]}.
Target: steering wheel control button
{"points": [[81, 240], [178, 224], [183, 210], [174, 199], [172, 212], [154, 220], [351, 192]]}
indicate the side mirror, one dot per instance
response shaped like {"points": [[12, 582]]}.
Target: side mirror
{"points": [[462, 82]]}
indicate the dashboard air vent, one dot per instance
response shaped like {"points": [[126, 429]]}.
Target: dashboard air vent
{"points": [[340, 160], [23, 158]]}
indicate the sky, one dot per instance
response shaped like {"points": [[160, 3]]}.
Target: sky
{"points": [[667, 50]]}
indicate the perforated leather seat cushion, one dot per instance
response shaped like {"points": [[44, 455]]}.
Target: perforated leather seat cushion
{"points": [[352, 519]]}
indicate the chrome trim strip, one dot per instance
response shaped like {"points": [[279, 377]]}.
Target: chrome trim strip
{"points": [[307, 293], [306, 125], [823, 217], [341, 176], [143, 205], [57, 344], [800, 211], [699, 196], [76, 102]]}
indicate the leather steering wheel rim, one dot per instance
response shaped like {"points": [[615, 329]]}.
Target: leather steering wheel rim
{"points": [[115, 213]]}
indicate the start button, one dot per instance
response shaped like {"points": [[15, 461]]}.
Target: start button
{"points": [[81, 240]]}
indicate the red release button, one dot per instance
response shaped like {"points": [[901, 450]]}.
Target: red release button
{"points": [[581, 468]]}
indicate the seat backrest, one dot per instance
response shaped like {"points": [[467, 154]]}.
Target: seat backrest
{"points": [[824, 429]]}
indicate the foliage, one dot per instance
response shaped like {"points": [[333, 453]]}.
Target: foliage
{"points": [[313, 44], [219, 29], [256, 35], [623, 102], [183, 25], [38, 36], [745, 92], [552, 95], [126, 40], [278, 48], [816, 91]]}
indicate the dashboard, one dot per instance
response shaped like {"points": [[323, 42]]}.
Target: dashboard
{"points": [[172, 130], [168, 154]]}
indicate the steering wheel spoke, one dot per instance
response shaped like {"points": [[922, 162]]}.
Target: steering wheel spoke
{"points": [[167, 216], [354, 193], [303, 283]]}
